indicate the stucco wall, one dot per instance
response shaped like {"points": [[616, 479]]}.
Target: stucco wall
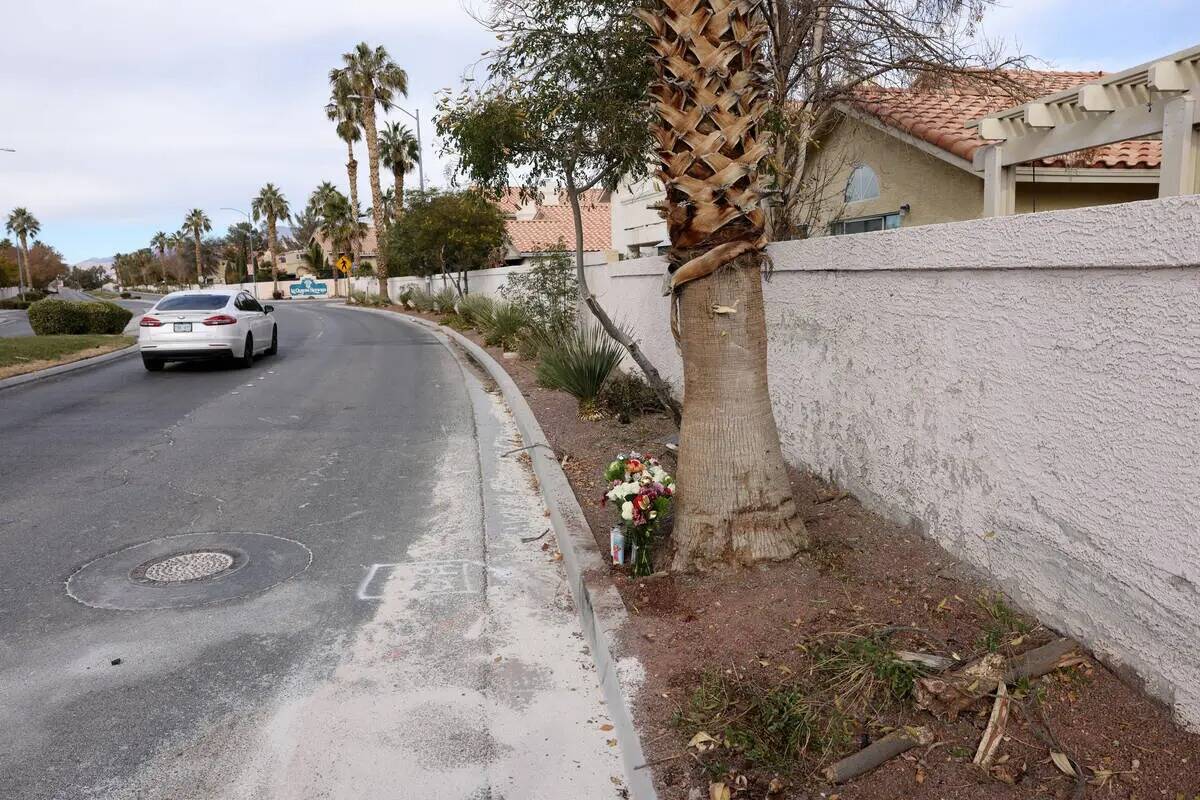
{"points": [[1026, 390]]}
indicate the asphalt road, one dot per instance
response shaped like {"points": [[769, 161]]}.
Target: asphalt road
{"points": [[380, 629], [16, 323]]}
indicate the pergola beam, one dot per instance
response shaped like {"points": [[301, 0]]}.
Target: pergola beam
{"points": [[1181, 147]]}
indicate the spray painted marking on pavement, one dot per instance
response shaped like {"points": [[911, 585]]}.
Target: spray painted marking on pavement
{"points": [[422, 577]]}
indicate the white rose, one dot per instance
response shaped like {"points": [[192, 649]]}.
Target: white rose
{"points": [[627, 511]]}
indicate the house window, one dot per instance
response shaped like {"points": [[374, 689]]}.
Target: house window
{"points": [[862, 185], [879, 222]]}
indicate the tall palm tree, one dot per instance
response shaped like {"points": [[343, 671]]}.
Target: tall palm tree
{"points": [[196, 224], [735, 502], [345, 110], [160, 242], [399, 152], [272, 205], [371, 77], [22, 224]]}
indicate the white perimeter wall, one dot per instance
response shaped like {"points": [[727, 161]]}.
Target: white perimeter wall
{"points": [[1026, 390]]}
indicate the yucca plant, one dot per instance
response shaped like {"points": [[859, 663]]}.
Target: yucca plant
{"points": [[578, 362], [476, 309], [735, 502], [504, 326], [443, 301]]}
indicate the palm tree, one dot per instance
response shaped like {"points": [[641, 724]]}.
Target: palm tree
{"points": [[371, 77], [272, 205], [342, 227], [344, 110], [22, 224], [735, 502], [399, 152], [196, 224], [160, 243]]}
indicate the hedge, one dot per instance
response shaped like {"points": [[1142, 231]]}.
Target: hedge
{"points": [[51, 317]]}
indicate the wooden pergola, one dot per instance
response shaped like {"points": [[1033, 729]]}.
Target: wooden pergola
{"points": [[1159, 97]]}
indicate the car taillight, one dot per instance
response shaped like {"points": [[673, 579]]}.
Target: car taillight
{"points": [[150, 322], [221, 319]]}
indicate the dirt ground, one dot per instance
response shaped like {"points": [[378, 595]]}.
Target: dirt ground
{"points": [[761, 627]]}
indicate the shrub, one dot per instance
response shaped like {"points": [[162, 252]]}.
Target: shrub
{"points": [[626, 396], [277, 294], [476, 309], [443, 301], [404, 299], [547, 292], [503, 328], [422, 301], [54, 317], [106, 317], [15, 304], [126, 295], [579, 362]]}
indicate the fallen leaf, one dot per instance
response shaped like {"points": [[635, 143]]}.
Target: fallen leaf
{"points": [[606, 727], [703, 742], [775, 786], [718, 791], [1063, 763], [611, 742], [920, 776]]}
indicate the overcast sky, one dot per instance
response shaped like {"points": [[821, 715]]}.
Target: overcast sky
{"points": [[127, 113]]}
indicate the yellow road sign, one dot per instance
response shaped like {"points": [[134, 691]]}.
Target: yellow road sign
{"points": [[344, 263]]}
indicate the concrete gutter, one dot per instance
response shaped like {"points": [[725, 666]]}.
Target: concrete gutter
{"points": [[602, 613], [62, 369]]}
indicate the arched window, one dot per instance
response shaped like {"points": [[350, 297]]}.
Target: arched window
{"points": [[863, 184]]}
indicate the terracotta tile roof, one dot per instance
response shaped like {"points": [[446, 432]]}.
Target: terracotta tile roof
{"points": [[939, 116], [553, 222]]}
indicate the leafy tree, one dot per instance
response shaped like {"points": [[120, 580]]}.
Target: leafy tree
{"points": [[273, 206], [399, 152], [196, 224], [8, 264], [565, 101], [445, 231], [136, 268], [314, 258], [548, 292], [86, 278], [22, 224], [372, 78]]}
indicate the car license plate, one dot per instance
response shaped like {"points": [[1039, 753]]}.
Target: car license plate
{"points": [[183, 327]]}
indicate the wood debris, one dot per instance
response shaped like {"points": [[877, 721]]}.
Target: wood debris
{"points": [[878, 752]]}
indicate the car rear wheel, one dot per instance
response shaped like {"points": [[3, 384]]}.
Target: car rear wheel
{"points": [[153, 364], [274, 348], [247, 359]]}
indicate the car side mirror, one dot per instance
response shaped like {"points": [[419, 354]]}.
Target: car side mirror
{"points": [[268, 309]]}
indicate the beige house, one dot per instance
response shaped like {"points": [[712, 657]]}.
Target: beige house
{"points": [[901, 157]]}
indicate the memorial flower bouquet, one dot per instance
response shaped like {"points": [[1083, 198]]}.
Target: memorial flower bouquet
{"points": [[642, 491]]}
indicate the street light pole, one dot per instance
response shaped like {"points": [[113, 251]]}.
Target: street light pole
{"points": [[250, 252]]}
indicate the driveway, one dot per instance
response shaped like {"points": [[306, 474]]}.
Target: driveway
{"points": [[319, 577]]}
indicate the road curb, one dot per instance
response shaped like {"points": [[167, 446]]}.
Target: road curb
{"points": [[62, 369], [602, 613]]}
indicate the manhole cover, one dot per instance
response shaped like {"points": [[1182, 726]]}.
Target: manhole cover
{"points": [[191, 569], [184, 567]]}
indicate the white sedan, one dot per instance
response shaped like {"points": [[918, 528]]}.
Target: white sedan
{"points": [[205, 324]]}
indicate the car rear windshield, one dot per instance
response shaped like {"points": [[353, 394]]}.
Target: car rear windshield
{"points": [[193, 302]]}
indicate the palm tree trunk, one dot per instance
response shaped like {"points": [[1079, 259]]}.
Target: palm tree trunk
{"points": [[352, 174], [661, 390], [376, 193], [23, 269], [274, 246], [735, 502], [199, 263], [399, 178]]}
